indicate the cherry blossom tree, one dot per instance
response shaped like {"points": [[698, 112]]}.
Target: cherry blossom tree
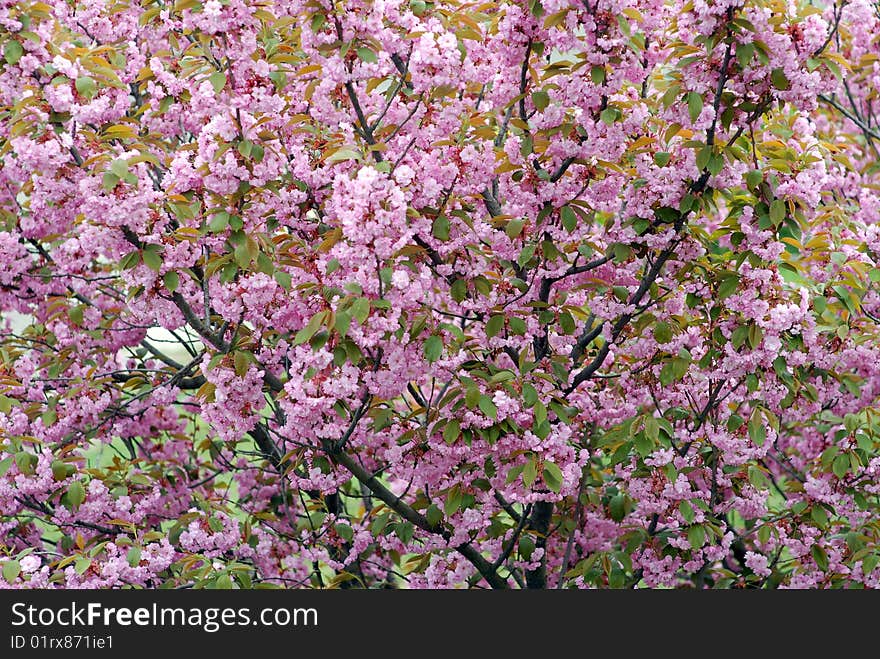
{"points": [[388, 293]]}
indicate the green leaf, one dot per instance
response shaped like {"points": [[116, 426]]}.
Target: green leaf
{"points": [[728, 285], [311, 328], [666, 377], [494, 325], [673, 370], [11, 570], [76, 314], [458, 290], [744, 53], [755, 336], [86, 87], [342, 322], [172, 280], [540, 412], [687, 511], [452, 431], [757, 431], [617, 507], [652, 428], [541, 100], [569, 219], [566, 323], [345, 153], [284, 279], [472, 397], [820, 557], [529, 394], [109, 181], [597, 74], [245, 147], [526, 547], [827, 456], [151, 257], [841, 465], [779, 80], [514, 227], [530, 471], [433, 348], [218, 81], [82, 564], [695, 106], [440, 227], [76, 494], [119, 167], [360, 309], [643, 444], [242, 362], [49, 417], [663, 332], [703, 157], [513, 474], [318, 21], [367, 55], [525, 255], [609, 115], [453, 501], [12, 52], [130, 260], [777, 211], [667, 214], [26, 462], [661, 158], [345, 532], [696, 536], [487, 407], [134, 556], [433, 514], [552, 476], [757, 477], [59, 470]]}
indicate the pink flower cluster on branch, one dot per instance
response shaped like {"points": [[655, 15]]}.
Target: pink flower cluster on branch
{"points": [[557, 293]]}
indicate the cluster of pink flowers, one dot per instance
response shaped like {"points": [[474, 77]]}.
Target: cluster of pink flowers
{"points": [[429, 295]]}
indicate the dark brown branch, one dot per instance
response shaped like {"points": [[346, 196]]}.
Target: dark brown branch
{"points": [[539, 522], [414, 517]]}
